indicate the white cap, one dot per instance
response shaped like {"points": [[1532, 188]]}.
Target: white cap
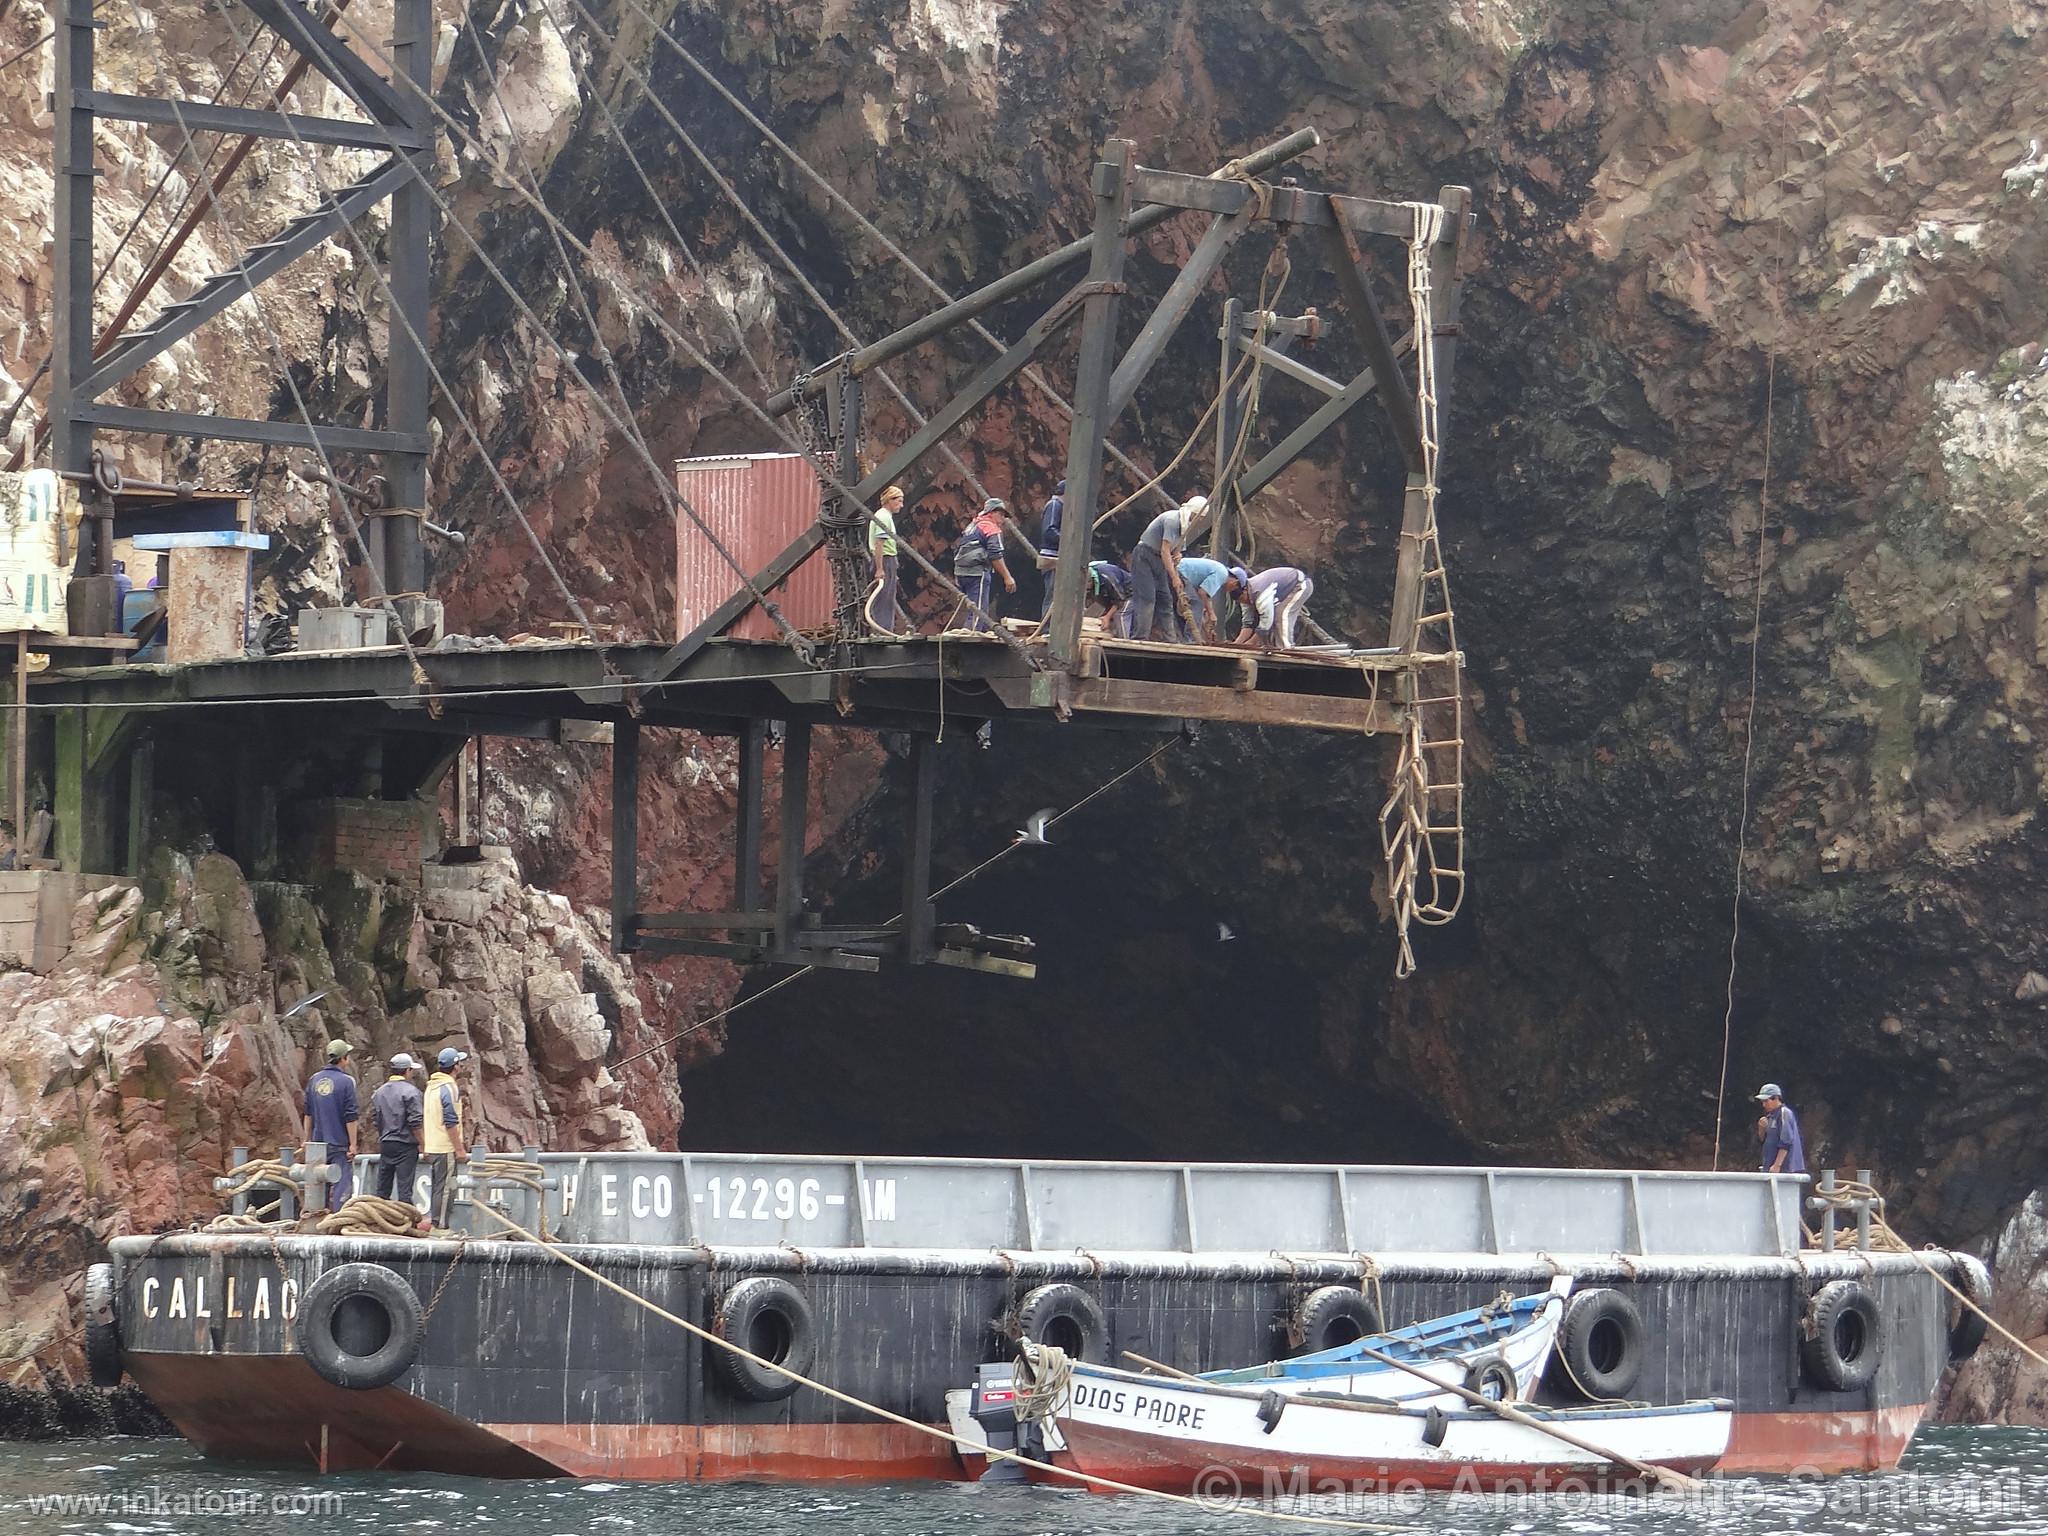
{"points": [[403, 1062]]}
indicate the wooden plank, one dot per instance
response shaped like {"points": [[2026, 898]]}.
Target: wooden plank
{"points": [[1193, 702], [44, 640]]}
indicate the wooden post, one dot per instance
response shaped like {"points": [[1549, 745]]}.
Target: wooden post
{"points": [[1227, 425], [625, 836], [1091, 403], [917, 853], [796, 789], [17, 765], [746, 858]]}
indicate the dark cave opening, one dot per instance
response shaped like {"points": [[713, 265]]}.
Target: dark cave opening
{"points": [[1187, 1007]]}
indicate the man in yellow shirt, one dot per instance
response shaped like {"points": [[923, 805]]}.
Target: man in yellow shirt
{"points": [[442, 1131]]}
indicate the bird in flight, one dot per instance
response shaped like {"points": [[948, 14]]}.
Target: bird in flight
{"points": [[1033, 830]]}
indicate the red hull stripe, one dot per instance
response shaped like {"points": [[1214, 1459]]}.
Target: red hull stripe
{"points": [[273, 1407]]}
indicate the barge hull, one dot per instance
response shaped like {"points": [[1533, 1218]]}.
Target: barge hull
{"points": [[529, 1368]]}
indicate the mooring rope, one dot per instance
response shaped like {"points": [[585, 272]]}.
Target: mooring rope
{"points": [[932, 1430], [1756, 629]]}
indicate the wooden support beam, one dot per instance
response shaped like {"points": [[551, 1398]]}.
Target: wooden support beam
{"points": [[1294, 368], [1395, 395], [796, 789], [917, 852], [710, 922], [1187, 286], [985, 298], [969, 398], [1196, 701], [626, 837], [1091, 402], [746, 856], [1222, 535], [1284, 205], [1298, 442]]}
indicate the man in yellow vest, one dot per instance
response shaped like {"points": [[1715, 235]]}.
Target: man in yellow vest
{"points": [[442, 1131]]}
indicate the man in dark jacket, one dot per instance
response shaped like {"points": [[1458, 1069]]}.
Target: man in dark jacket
{"points": [[330, 1117], [399, 1112], [978, 561], [1784, 1148]]}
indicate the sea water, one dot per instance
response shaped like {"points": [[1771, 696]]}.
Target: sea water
{"points": [[1985, 1482]]}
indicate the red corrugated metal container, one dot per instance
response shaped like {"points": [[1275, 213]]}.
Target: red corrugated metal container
{"points": [[756, 503]]}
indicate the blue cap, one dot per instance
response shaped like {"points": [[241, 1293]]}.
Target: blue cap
{"points": [[1240, 573], [1769, 1091], [449, 1056]]}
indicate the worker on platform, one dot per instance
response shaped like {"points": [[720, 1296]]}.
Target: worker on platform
{"points": [[1273, 603], [882, 608], [1110, 585], [978, 561], [330, 1116], [1155, 568], [1784, 1149], [1049, 522], [399, 1112], [441, 1135], [1203, 581]]}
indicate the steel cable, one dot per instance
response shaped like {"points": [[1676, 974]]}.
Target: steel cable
{"points": [[1031, 375], [827, 474]]}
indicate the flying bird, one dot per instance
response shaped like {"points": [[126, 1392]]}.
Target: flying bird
{"points": [[300, 1006], [1033, 830], [1225, 933]]}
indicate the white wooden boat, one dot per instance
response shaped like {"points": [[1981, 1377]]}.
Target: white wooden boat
{"points": [[1190, 1436]]}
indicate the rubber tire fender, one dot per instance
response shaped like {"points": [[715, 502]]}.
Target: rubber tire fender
{"points": [[321, 1346], [1331, 1308], [738, 1311], [1435, 1425], [1271, 1406], [1492, 1371], [1834, 1306], [1061, 1302], [1612, 1317], [102, 1327], [1967, 1333]]}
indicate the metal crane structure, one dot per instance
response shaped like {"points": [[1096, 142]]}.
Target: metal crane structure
{"points": [[419, 709]]}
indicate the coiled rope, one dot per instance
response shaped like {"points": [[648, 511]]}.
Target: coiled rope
{"points": [[1044, 1375]]}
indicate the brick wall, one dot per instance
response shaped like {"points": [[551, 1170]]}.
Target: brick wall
{"points": [[381, 838]]}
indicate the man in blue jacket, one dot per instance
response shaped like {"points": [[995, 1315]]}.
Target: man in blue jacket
{"points": [[331, 1115], [1784, 1150]]}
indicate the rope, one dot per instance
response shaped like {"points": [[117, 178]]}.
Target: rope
{"points": [[1885, 1239], [1756, 629], [1185, 448], [1416, 844], [1044, 1376], [932, 1430], [374, 1216]]}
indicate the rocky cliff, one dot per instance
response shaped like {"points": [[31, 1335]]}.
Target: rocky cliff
{"points": [[173, 1032], [1755, 290]]}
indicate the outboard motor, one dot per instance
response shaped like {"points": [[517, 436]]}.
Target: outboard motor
{"points": [[994, 1407]]}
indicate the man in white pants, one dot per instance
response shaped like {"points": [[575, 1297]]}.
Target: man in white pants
{"points": [[1273, 602]]}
